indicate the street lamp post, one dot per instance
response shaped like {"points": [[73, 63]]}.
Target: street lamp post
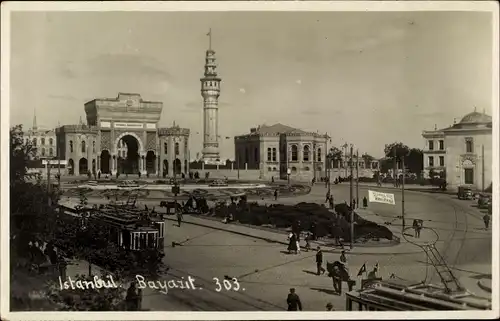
{"points": [[351, 198], [403, 193], [357, 179]]}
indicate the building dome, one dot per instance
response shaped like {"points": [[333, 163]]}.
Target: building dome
{"points": [[476, 117]]}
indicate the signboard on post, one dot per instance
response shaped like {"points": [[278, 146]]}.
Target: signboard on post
{"points": [[288, 171], [378, 197]]}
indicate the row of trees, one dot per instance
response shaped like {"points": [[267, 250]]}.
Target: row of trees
{"points": [[393, 152]]}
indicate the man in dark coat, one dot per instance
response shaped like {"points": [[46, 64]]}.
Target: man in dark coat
{"points": [[486, 219], [319, 262], [293, 301]]}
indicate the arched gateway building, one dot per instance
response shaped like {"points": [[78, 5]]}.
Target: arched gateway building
{"points": [[122, 135]]}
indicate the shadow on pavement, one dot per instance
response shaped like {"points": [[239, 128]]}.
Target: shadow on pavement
{"points": [[327, 291], [309, 272]]}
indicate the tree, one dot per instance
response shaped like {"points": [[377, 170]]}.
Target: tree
{"points": [[335, 155], [415, 161], [395, 152], [385, 165], [31, 215], [20, 155], [367, 160]]}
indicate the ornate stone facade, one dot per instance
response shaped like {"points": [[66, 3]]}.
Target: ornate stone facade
{"points": [[463, 151], [122, 135], [275, 149]]}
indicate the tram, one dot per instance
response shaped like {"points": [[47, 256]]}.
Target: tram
{"points": [[395, 295], [127, 226]]}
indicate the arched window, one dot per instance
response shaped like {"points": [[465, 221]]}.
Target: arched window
{"points": [[295, 153], [43, 151], [43, 141], [269, 154], [51, 141], [83, 147], [93, 146], [71, 146], [469, 145], [34, 142], [319, 155], [306, 153], [176, 148], [165, 148], [51, 152], [274, 154]]}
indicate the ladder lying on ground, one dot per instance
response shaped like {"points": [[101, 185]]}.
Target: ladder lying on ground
{"points": [[450, 282]]}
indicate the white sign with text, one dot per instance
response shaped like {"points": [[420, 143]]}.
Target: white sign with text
{"points": [[378, 197], [128, 125]]}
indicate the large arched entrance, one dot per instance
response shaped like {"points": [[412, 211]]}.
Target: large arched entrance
{"points": [[165, 167], [177, 166], [150, 162], [130, 163], [105, 157], [71, 167], [83, 166]]}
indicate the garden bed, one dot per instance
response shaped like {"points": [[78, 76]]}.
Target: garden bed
{"points": [[312, 217]]}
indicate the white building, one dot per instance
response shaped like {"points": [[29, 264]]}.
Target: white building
{"points": [[463, 151], [277, 149]]}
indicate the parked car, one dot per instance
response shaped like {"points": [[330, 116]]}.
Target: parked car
{"points": [[464, 193], [483, 200]]}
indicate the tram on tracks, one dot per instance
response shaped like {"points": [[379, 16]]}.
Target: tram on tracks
{"points": [[128, 227], [395, 295]]}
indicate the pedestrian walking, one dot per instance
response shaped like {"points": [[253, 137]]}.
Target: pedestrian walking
{"points": [[353, 204], [327, 196], [314, 230], [275, 194], [319, 262], [343, 258], [132, 298], [179, 217], [293, 301], [372, 275], [486, 219], [365, 202], [332, 205], [308, 242], [292, 243], [417, 226]]}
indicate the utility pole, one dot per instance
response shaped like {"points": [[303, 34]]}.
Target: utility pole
{"points": [[482, 168], [357, 178], [395, 166], [58, 165], [403, 193], [48, 183], [350, 202]]}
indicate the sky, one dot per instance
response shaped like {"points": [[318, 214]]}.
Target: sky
{"points": [[366, 78]]}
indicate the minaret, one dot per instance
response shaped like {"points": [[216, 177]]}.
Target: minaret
{"points": [[35, 127], [210, 91]]}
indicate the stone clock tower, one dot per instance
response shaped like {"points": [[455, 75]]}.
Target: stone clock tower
{"points": [[210, 91]]}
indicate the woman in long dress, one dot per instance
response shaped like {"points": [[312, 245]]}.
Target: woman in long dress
{"points": [[292, 245]]}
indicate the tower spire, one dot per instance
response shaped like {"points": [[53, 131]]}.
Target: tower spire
{"points": [[209, 34], [34, 120], [210, 91]]}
